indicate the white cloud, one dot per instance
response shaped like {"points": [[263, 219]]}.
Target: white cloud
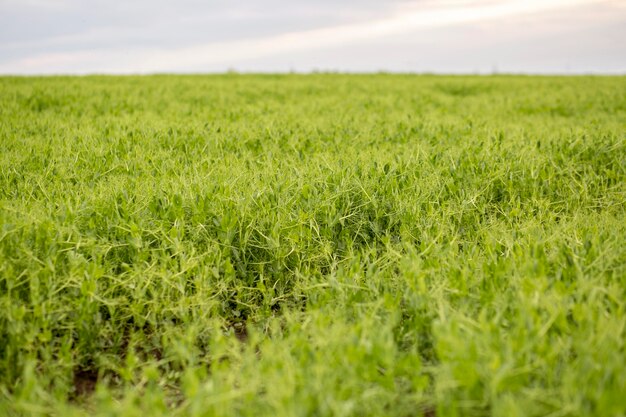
{"points": [[402, 19]]}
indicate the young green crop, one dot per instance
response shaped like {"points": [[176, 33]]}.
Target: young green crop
{"points": [[329, 245]]}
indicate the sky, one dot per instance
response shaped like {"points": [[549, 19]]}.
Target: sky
{"points": [[199, 36]]}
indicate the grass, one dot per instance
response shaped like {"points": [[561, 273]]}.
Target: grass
{"points": [[345, 245]]}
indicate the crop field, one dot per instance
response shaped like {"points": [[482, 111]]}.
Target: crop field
{"points": [[313, 245]]}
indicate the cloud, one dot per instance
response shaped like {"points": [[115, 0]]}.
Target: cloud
{"points": [[401, 18]]}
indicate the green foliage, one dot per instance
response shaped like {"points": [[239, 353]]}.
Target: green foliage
{"points": [[327, 245]]}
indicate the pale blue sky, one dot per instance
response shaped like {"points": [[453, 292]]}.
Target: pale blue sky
{"points": [[451, 36]]}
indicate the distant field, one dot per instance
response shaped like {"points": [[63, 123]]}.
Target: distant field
{"points": [[322, 245]]}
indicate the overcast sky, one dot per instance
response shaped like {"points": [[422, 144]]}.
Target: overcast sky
{"points": [[451, 36]]}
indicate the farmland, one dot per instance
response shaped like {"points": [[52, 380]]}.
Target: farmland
{"points": [[325, 244]]}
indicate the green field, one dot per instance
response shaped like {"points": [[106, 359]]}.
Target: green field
{"points": [[320, 245]]}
